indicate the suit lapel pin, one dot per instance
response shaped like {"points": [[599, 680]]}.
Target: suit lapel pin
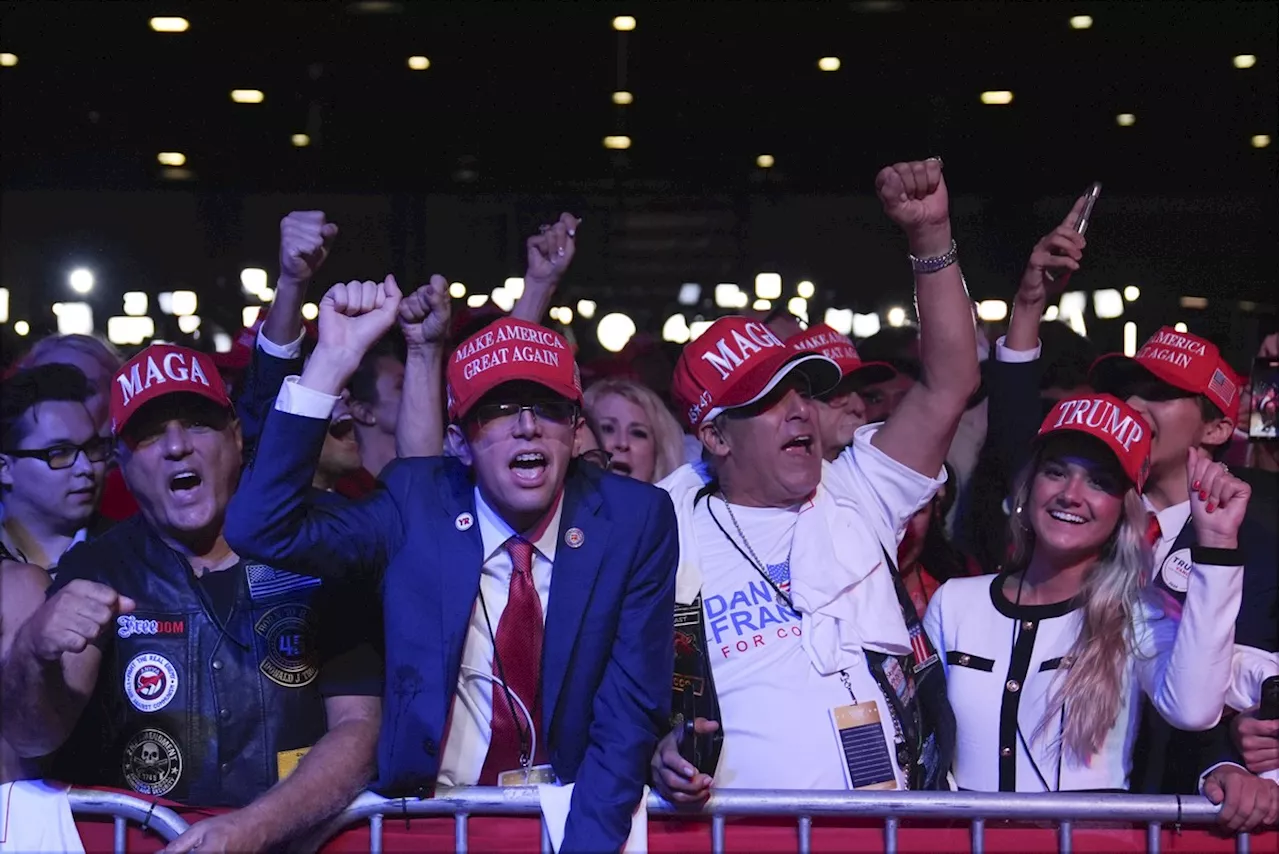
{"points": [[574, 538], [464, 522]]}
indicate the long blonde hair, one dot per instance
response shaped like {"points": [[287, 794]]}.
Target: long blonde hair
{"points": [[1110, 595], [668, 439]]}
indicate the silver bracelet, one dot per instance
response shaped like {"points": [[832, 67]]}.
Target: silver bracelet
{"points": [[936, 263]]}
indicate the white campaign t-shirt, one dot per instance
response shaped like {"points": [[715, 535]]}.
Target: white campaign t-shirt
{"points": [[774, 705]]}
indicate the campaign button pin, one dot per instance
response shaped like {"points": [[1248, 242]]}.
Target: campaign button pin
{"points": [[464, 521], [574, 538]]}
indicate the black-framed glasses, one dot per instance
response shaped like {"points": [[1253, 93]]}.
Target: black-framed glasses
{"points": [[597, 457], [97, 450], [555, 411]]}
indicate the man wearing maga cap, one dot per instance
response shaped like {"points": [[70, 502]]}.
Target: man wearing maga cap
{"points": [[528, 598], [175, 667], [794, 639], [839, 412]]}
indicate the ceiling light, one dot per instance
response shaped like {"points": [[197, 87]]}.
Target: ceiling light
{"points": [[587, 308], [247, 96], [1130, 339], [1179, 327], [864, 325], [4, 305], [897, 316], [993, 310], [1071, 310], [765, 161], [1080, 22], [623, 98], [221, 342], [477, 300], [189, 323], [624, 23], [125, 331], [1108, 304], [81, 280], [761, 305], [1193, 302], [171, 158], [618, 143], [1260, 140], [614, 331], [170, 25], [267, 294], [419, 63], [171, 173], [1126, 120], [690, 293], [249, 314], [1131, 293], [1244, 60], [21, 327], [310, 311], [829, 63], [502, 299], [997, 96], [253, 280], [183, 303], [806, 290], [1050, 313], [8, 60], [839, 319], [457, 290], [300, 140], [798, 307], [727, 295], [135, 303], [768, 285], [514, 286], [675, 329], [74, 318]]}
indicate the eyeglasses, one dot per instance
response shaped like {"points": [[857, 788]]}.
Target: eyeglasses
{"points": [[597, 457], [556, 411], [97, 450]]}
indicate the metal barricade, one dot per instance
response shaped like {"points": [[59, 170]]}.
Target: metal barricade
{"points": [[976, 808], [124, 809]]}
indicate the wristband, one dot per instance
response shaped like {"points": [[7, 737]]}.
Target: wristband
{"points": [[1217, 557], [936, 263]]}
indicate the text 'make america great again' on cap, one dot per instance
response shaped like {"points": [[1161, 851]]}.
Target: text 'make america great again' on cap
{"points": [[540, 347]]}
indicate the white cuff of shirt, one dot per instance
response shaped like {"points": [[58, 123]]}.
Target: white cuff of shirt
{"points": [[291, 350], [1004, 354], [1204, 776], [297, 399]]}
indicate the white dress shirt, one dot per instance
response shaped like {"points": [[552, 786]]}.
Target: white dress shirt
{"points": [[1172, 520], [468, 730]]}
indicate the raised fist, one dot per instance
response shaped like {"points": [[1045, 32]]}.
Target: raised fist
{"points": [[305, 239], [74, 617], [355, 315], [915, 196], [551, 250], [1218, 501], [1055, 257], [424, 314]]}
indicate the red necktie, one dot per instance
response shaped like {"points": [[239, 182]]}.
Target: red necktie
{"points": [[1153, 530], [518, 646]]}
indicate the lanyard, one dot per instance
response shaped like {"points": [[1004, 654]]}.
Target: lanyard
{"points": [[506, 692]]}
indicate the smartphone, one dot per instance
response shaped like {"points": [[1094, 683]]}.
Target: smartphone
{"points": [[1090, 197], [1263, 381], [1267, 710]]}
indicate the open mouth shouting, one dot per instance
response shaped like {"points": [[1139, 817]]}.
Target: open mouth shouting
{"points": [[800, 446], [529, 468], [184, 486]]}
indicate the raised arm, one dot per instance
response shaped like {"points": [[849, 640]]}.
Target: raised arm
{"points": [[305, 240], [1053, 259], [549, 252], [424, 320], [919, 432]]}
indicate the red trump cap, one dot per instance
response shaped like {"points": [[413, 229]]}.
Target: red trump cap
{"points": [[1184, 361], [824, 340], [1112, 421], [509, 350], [159, 370]]}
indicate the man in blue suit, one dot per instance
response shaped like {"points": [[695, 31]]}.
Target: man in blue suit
{"points": [[528, 600]]}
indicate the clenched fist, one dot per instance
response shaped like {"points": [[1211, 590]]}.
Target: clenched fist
{"points": [[551, 250], [1218, 501], [915, 197], [424, 314], [355, 315], [73, 618], [305, 239]]}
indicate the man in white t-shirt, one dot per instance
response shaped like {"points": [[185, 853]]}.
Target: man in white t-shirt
{"points": [[793, 641]]}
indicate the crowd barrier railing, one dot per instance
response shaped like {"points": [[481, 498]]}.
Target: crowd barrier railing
{"points": [[975, 808], [124, 809]]}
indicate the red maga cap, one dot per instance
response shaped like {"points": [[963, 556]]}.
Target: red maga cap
{"points": [[824, 340], [736, 362], [505, 351], [159, 370], [1117, 424], [1182, 360]]}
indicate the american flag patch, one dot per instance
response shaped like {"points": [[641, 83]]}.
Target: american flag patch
{"points": [[265, 581], [919, 645], [1221, 385], [780, 574]]}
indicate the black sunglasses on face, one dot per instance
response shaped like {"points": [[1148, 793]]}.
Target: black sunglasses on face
{"points": [[555, 411], [97, 450]]}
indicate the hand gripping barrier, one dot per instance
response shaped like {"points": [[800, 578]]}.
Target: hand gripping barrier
{"points": [[976, 808]]}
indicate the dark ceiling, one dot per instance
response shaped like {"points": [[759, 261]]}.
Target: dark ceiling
{"points": [[517, 96]]}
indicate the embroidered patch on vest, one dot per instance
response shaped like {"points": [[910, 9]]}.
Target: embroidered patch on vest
{"points": [[152, 762], [291, 648], [150, 682], [265, 581]]}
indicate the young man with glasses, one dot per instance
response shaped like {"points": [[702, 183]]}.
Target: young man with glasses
{"points": [[52, 464], [528, 597]]}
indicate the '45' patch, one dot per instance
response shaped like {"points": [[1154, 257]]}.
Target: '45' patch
{"points": [[291, 650]]}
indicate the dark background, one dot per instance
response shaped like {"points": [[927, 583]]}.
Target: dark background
{"points": [[450, 168]]}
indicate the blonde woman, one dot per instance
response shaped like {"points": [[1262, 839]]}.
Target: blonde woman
{"points": [[1046, 661], [635, 428]]}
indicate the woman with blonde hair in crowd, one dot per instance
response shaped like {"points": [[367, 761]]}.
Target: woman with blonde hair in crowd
{"points": [[635, 429], [1047, 661]]}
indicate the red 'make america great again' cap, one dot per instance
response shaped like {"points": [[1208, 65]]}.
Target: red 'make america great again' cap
{"points": [[1112, 421], [1182, 360], [821, 338], [736, 362], [510, 350], [159, 370]]}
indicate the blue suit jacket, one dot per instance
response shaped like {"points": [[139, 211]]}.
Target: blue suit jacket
{"points": [[608, 649]]}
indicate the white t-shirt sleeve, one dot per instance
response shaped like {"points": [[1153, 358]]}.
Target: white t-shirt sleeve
{"points": [[1183, 655], [865, 474], [1004, 354], [297, 399]]}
